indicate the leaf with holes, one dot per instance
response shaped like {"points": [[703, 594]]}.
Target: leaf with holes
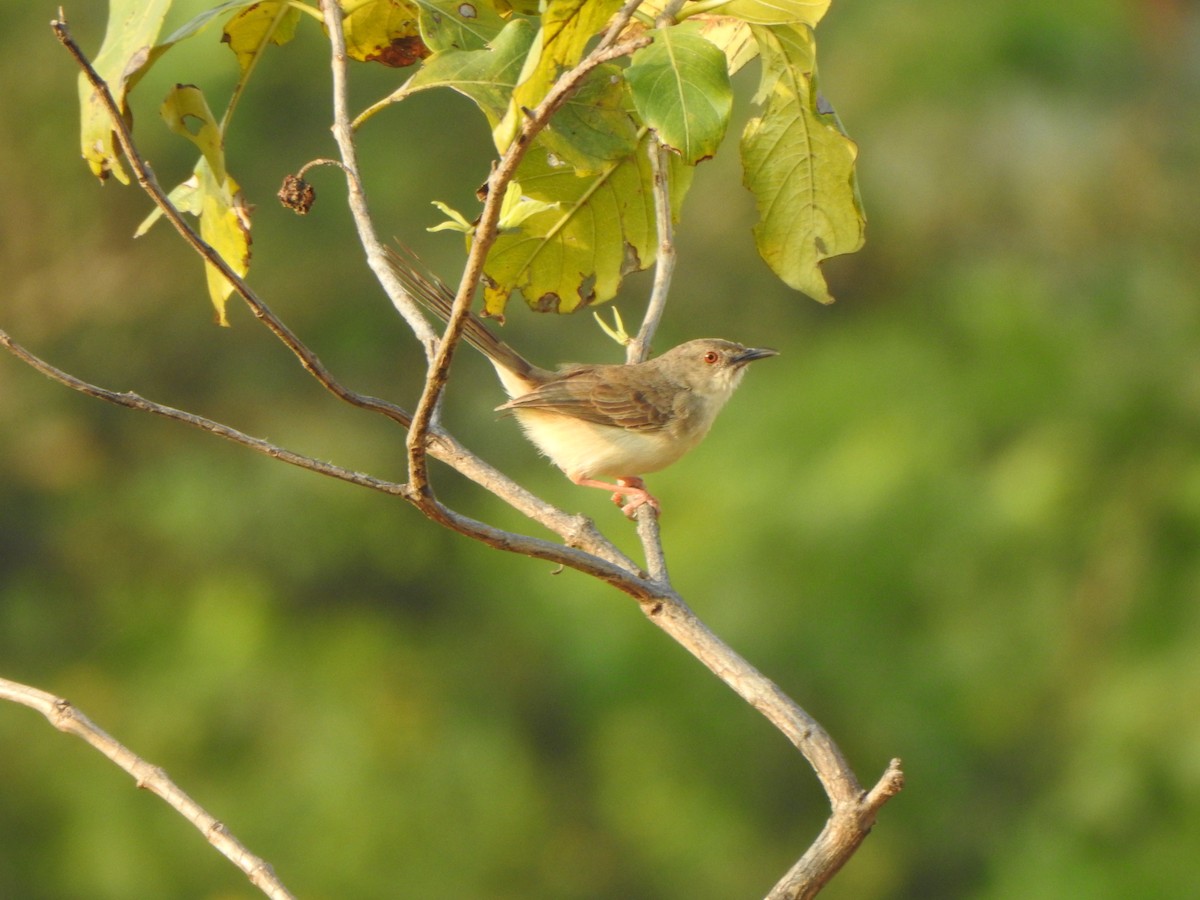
{"points": [[457, 24], [210, 193], [577, 252]]}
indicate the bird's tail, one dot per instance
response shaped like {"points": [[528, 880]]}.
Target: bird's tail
{"points": [[435, 295]]}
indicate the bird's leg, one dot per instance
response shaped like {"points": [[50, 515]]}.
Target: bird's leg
{"points": [[630, 488]]}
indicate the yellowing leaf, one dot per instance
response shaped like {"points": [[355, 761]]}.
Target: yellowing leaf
{"points": [[187, 114], [772, 12], [133, 26], [799, 166], [225, 226], [251, 29], [576, 253], [487, 76], [458, 24], [732, 37], [567, 26], [384, 31], [210, 193]]}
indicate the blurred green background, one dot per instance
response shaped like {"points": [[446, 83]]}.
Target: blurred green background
{"points": [[958, 519]]}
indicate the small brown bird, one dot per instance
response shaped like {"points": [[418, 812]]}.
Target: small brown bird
{"points": [[621, 421]]}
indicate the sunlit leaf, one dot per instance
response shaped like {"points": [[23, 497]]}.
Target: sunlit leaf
{"points": [[187, 114], [210, 194], [486, 76], [732, 37], [133, 26], [384, 31], [248, 31], [567, 26], [455, 221], [457, 24], [772, 12], [800, 167], [594, 127], [602, 228], [680, 86]]}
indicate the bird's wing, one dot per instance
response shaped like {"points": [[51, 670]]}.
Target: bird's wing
{"points": [[588, 393]]}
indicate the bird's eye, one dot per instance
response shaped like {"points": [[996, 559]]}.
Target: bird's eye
{"points": [[711, 357]]}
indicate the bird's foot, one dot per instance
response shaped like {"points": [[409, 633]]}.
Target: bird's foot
{"points": [[632, 495]]}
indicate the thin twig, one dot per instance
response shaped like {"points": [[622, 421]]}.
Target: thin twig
{"points": [[130, 400], [343, 136], [65, 717], [639, 347], [664, 266], [612, 567]]}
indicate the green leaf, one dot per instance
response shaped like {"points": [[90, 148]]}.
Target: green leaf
{"points": [[250, 30], [681, 89], [457, 24], [384, 31], [603, 227], [486, 76], [133, 26], [567, 26], [594, 127], [210, 194], [800, 167]]}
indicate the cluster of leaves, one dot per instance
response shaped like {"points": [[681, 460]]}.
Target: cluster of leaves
{"points": [[579, 214]]}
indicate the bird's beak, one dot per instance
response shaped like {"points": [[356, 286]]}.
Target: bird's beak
{"points": [[752, 353]]}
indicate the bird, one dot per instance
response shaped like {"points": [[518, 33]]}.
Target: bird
{"points": [[622, 421]]}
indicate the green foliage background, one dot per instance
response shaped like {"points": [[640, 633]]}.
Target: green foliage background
{"points": [[958, 519]]}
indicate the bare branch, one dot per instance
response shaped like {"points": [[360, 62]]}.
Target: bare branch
{"points": [[609, 564], [65, 717], [343, 135], [664, 266], [846, 829]]}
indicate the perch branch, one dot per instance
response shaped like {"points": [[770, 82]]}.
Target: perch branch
{"points": [[607, 569], [65, 717]]}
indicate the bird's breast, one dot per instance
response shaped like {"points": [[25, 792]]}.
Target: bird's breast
{"points": [[587, 449]]}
